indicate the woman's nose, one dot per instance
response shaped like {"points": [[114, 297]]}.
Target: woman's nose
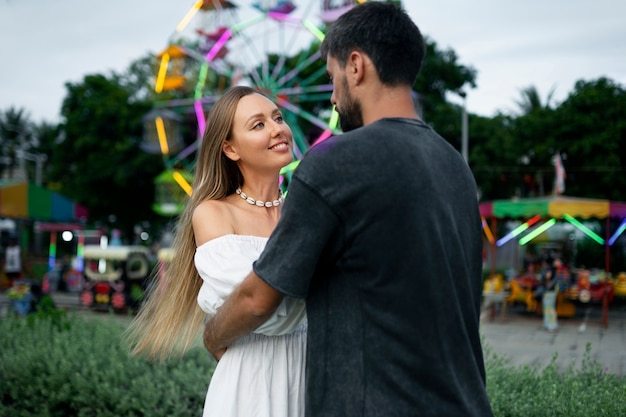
{"points": [[277, 128]]}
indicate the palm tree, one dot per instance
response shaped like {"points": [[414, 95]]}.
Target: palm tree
{"points": [[530, 100], [16, 134]]}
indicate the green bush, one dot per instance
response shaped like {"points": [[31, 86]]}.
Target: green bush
{"points": [[58, 364], [531, 391], [53, 364]]}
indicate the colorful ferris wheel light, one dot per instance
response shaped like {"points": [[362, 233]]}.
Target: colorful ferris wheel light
{"points": [[160, 127], [194, 9], [162, 72], [182, 182], [314, 30], [219, 45]]}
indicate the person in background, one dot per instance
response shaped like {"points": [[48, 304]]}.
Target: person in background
{"points": [[381, 235], [13, 261], [235, 205]]}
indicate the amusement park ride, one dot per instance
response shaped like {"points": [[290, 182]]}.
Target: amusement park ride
{"points": [[272, 45]]}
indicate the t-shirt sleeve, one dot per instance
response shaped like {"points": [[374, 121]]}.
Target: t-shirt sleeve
{"points": [[300, 242]]}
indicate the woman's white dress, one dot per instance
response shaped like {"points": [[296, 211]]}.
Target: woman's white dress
{"points": [[262, 374]]}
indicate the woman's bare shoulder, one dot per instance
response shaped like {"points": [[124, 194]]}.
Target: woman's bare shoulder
{"points": [[212, 219]]}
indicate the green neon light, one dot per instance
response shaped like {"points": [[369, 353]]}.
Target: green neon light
{"points": [[334, 119], [314, 30], [584, 229], [530, 236], [204, 70], [242, 25]]}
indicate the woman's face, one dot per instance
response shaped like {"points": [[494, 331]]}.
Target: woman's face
{"points": [[260, 137]]}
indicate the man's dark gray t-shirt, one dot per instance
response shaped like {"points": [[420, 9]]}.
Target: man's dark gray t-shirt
{"points": [[381, 233]]}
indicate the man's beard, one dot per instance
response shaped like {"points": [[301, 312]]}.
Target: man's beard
{"points": [[350, 114]]}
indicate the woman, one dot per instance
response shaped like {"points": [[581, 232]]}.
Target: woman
{"points": [[234, 207]]}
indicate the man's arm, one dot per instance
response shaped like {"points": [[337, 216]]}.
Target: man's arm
{"points": [[250, 305]]}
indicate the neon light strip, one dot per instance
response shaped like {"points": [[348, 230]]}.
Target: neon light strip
{"points": [[200, 116], [204, 70], [252, 21], [182, 182], [619, 231], [80, 252], [487, 231], [537, 232], [334, 119], [314, 30], [194, 9], [52, 252], [162, 72], [325, 135], [584, 229], [160, 127], [517, 231], [278, 16], [219, 45]]}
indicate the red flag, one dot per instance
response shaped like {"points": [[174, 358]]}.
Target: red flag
{"points": [[559, 178]]}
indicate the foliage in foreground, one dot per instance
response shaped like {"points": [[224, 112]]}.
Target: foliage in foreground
{"points": [[53, 364], [66, 365], [531, 391]]}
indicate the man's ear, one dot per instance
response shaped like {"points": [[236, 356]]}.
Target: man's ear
{"points": [[356, 66], [230, 151]]}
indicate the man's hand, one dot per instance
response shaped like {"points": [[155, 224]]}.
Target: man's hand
{"points": [[216, 353], [250, 305]]}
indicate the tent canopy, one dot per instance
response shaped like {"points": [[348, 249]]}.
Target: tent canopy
{"points": [[556, 206], [30, 201]]}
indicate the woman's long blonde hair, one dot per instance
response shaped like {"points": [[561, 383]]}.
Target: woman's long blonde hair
{"points": [[170, 318]]}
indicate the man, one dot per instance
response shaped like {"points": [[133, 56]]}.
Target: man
{"points": [[381, 234]]}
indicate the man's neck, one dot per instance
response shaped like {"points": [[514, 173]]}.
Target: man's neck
{"points": [[389, 103]]}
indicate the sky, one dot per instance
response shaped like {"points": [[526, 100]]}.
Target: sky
{"points": [[548, 44]]}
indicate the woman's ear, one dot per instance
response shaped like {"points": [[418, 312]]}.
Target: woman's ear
{"points": [[230, 152]]}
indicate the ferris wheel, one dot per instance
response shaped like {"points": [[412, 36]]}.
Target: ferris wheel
{"points": [[271, 45]]}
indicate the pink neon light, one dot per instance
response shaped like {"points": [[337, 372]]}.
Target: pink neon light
{"points": [[278, 16], [325, 135], [218, 45], [200, 116]]}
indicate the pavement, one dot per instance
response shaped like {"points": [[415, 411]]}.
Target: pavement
{"points": [[517, 336], [523, 340]]}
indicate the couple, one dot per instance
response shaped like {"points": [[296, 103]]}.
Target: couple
{"points": [[380, 234]]}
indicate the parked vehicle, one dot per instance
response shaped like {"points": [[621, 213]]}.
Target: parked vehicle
{"points": [[115, 277]]}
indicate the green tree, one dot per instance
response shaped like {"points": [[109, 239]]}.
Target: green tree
{"points": [[443, 76], [16, 134], [98, 161], [589, 127], [530, 100], [494, 156]]}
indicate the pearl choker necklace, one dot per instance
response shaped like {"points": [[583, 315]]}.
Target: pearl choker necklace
{"points": [[259, 203]]}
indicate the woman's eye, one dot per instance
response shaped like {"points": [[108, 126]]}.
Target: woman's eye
{"points": [[258, 125], [279, 119]]}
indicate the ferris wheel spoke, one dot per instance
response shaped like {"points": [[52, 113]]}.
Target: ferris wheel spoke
{"points": [[274, 50]]}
